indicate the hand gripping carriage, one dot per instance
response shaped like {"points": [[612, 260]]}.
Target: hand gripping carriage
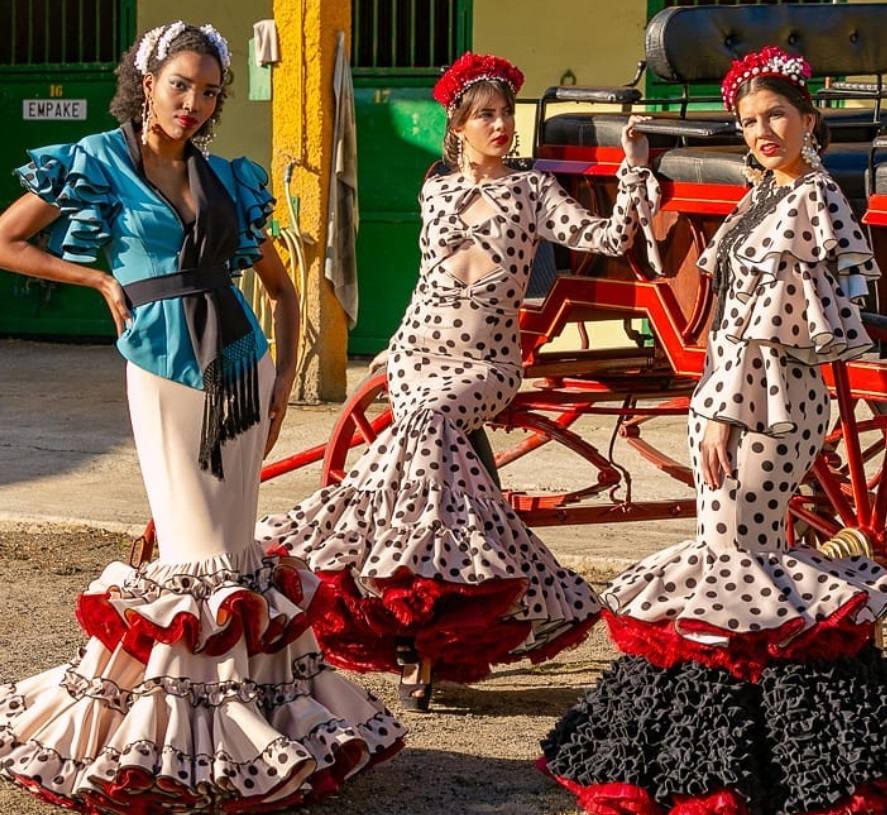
{"points": [[842, 505]]}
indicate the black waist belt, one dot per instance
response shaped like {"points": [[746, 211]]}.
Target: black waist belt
{"points": [[188, 281]]}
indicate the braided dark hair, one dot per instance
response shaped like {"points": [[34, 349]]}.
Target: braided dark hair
{"points": [[129, 98], [470, 101]]}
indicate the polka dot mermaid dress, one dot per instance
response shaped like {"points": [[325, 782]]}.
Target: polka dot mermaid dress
{"points": [[417, 541], [750, 685]]}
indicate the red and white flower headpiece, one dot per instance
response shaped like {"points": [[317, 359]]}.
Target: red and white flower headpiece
{"points": [[769, 61], [472, 68]]}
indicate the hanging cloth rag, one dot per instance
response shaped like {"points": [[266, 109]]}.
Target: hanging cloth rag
{"points": [[340, 264], [221, 334], [267, 49]]}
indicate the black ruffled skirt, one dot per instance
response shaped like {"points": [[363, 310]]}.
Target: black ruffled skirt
{"points": [[807, 737]]}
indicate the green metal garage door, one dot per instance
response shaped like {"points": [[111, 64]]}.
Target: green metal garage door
{"points": [[57, 60], [399, 47]]}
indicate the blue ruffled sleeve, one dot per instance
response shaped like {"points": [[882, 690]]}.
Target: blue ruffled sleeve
{"points": [[254, 205], [67, 177]]}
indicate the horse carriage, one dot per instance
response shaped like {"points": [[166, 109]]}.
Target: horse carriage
{"points": [[698, 156]]}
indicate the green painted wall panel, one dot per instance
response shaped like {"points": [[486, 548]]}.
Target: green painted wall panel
{"points": [[33, 307], [400, 130]]}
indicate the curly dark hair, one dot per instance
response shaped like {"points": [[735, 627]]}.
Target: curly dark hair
{"points": [[129, 98]]}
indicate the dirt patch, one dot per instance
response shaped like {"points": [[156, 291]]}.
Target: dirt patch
{"points": [[471, 755]]}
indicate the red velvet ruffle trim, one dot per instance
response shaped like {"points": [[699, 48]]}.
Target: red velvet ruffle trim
{"points": [[240, 614], [617, 798], [461, 628], [746, 654]]}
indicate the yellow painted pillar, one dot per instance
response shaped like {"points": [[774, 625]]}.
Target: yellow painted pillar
{"points": [[302, 120]]}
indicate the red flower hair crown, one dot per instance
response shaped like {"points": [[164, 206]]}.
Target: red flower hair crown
{"points": [[471, 68], [769, 61]]}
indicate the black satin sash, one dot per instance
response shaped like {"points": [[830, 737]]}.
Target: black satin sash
{"points": [[221, 334]]}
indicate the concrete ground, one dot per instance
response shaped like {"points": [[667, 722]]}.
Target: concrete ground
{"points": [[71, 495], [67, 456]]}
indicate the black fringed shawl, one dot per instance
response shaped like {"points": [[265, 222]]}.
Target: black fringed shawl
{"points": [[221, 334]]}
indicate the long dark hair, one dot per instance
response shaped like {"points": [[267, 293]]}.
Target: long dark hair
{"points": [[471, 100], [795, 97], [129, 99]]}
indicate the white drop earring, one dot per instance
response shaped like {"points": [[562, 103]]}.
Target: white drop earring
{"points": [[751, 170], [810, 151]]}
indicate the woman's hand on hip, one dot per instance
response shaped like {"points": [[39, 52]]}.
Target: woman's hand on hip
{"points": [[115, 299], [634, 143], [713, 449], [283, 385]]}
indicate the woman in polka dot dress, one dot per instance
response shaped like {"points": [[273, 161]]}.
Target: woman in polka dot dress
{"points": [[430, 569], [750, 685]]}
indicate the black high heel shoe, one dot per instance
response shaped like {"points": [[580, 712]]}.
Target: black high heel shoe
{"points": [[413, 695]]}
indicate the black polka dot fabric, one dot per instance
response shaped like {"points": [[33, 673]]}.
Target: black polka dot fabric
{"points": [[786, 311], [420, 499]]}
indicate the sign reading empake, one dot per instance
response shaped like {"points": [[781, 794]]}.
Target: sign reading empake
{"points": [[53, 109]]}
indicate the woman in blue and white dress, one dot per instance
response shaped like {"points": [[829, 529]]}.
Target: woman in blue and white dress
{"points": [[201, 687]]}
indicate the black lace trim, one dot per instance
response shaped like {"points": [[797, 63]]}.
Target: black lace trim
{"points": [[199, 586], [206, 694], [277, 753], [765, 199]]}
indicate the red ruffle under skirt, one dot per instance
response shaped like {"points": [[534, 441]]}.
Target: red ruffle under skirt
{"points": [[463, 629], [747, 654]]}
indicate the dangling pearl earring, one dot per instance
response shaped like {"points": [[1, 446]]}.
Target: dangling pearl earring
{"points": [[751, 170], [202, 142], [147, 116], [810, 151], [459, 152]]}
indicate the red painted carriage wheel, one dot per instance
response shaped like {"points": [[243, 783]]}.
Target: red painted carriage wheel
{"points": [[355, 427], [846, 487], [359, 424]]}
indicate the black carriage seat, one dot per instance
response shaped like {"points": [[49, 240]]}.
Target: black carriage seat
{"points": [[847, 164], [695, 45], [880, 185], [700, 127]]}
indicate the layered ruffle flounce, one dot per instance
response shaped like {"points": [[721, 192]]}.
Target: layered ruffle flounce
{"points": [[201, 689], [807, 739], [69, 177], [798, 279], [684, 603], [417, 542]]}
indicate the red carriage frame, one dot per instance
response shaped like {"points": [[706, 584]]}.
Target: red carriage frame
{"points": [[846, 487]]}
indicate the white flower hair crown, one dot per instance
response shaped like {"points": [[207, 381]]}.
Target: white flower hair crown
{"points": [[157, 41]]}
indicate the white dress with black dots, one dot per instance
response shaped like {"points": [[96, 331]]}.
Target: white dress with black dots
{"points": [[417, 541], [750, 683], [792, 305]]}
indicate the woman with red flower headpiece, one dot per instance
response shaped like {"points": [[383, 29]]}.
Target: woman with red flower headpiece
{"points": [[750, 684], [430, 570]]}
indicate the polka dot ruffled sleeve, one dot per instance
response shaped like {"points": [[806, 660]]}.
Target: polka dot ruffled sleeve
{"points": [[796, 283], [563, 220]]}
